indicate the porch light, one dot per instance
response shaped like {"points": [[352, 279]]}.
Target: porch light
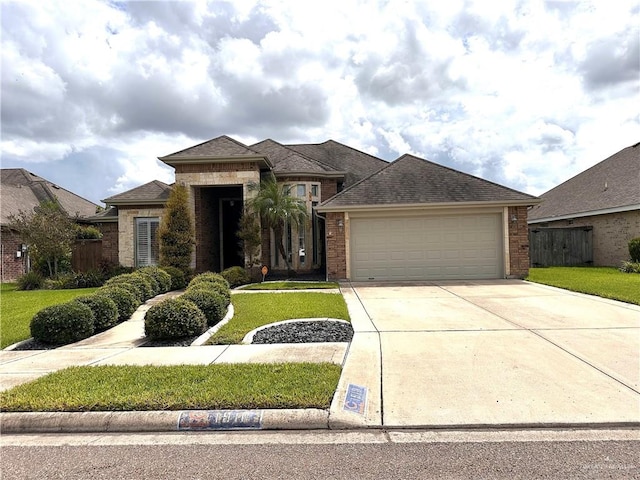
{"points": [[514, 218]]}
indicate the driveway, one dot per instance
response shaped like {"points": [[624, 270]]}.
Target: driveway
{"points": [[502, 352]]}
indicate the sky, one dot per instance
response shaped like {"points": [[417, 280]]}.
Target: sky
{"points": [[523, 93]]}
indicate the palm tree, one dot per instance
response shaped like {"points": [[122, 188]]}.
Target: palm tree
{"points": [[275, 206]]}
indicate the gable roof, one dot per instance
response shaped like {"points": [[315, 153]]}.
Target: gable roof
{"points": [[152, 193], [219, 148], [356, 164], [287, 161], [613, 185], [23, 190], [411, 180]]}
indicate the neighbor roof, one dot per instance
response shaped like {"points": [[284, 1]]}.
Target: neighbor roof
{"points": [[411, 180], [23, 190], [613, 185], [155, 192]]}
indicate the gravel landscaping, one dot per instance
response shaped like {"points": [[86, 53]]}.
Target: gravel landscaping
{"points": [[305, 332]]}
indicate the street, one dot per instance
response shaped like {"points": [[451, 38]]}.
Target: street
{"points": [[403, 454]]}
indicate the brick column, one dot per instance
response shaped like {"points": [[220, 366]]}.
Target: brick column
{"points": [[336, 247], [518, 242]]}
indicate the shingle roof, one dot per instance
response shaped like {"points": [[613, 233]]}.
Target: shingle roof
{"points": [[355, 163], [614, 183], [23, 190], [287, 161], [155, 192], [222, 146], [411, 180]]}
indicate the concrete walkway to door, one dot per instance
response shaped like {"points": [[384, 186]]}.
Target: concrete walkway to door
{"points": [[488, 353]]}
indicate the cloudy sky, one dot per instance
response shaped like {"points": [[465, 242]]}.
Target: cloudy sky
{"points": [[524, 93]]}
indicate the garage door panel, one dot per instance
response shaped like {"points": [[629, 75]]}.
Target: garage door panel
{"points": [[426, 248]]}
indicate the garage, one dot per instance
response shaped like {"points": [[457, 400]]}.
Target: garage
{"points": [[426, 247]]}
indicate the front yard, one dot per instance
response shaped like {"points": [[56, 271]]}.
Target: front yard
{"points": [[601, 281], [18, 307]]}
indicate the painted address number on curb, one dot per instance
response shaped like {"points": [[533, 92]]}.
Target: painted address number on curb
{"points": [[356, 399], [220, 420]]}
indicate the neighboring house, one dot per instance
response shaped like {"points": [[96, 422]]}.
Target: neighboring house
{"points": [[369, 219], [23, 191], [605, 198]]}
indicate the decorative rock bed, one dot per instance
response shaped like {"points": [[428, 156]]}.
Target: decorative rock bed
{"points": [[305, 331]]}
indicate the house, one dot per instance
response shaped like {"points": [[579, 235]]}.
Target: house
{"points": [[23, 191], [410, 219], [605, 199]]}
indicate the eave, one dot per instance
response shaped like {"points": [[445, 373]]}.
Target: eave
{"points": [[391, 207], [591, 213], [263, 161]]}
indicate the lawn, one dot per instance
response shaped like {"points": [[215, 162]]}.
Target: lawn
{"points": [[291, 285], [252, 310], [601, 281], [181, 387], [18, 307]]}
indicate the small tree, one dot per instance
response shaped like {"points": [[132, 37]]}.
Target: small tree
{"points": [[275, 205], [176, 231], [634, 249], [250, 238], [48, 231]]}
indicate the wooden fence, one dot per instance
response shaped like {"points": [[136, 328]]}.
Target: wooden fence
{"points": [[566, 247], [86, 255]]}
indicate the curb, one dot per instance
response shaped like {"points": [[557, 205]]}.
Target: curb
{"points": [[163, 421]]}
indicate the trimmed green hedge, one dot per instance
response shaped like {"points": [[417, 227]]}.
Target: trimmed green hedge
{"points": [[63, 323], [174, 318], [105, 311]]}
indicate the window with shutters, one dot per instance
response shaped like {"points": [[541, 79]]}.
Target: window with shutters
{"points": [[147, 242]]}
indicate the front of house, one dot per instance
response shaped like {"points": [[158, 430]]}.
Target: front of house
{"points": [[368, 219]]}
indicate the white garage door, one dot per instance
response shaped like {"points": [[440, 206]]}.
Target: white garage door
{"points": [[436, 247]]}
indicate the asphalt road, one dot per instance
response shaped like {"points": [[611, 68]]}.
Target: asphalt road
{"points": [[324, 455]]}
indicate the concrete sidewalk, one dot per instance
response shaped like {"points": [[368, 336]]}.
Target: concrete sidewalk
{"points": [[489, 353]]}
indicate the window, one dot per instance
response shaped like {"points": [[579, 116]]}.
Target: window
{"points": [[314, 190], [147, 242], [302, 254], [301, 190]]}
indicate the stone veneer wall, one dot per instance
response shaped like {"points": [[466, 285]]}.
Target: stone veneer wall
{"points": [[126, 230], [611, 235], [336, 246], [209, 175], [518, 242]]}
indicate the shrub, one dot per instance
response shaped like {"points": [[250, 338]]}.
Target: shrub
{"points": [[87, 233], [634, 249], [174, 318], [210, 302], [630, 267], [212, 287], [148, 278], [178, 277], [176, 230], [105, 311], [63, 323], [90, 279], [162, 278], [30, 281], [236, 276], [209, 277], [123, 298], [137, 282]]}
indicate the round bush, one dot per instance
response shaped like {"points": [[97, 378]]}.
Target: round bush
{"points": [[178, 278], [139, 282], [123, 298], [105, 311], [210, 302], [213, 287], [236, 276], [150, 280], [162, 278], [63, 323], [174, 318], [634, 249], [209, 277], [135, 289]]}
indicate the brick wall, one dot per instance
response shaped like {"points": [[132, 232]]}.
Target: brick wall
{"points": [[611, 235], [328, 188], [109, 241], [336, 247], [518, 242], [12, 266]]}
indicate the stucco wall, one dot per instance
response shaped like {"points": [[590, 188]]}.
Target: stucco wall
{"points": [[611, 235]]}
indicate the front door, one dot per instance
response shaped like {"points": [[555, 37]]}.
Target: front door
{"points": [[231, 254]]}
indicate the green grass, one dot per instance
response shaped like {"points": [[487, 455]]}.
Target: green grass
{"points": [[290, 285], [18, 307], [182, 387], [601, 281], [252, 310]]}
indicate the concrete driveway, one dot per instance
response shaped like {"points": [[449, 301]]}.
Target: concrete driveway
{"points": [[482, 353]]}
